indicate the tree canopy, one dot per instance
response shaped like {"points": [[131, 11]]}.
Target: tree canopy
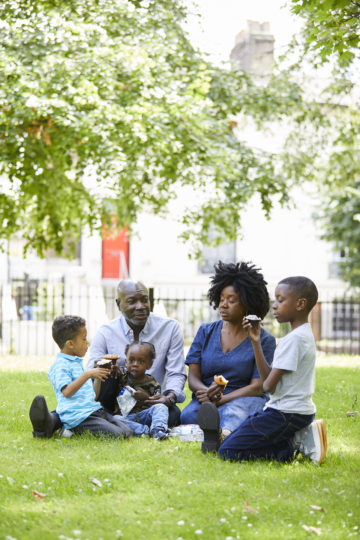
{"points": [[106, 108], [332, 27], [331, 125]]}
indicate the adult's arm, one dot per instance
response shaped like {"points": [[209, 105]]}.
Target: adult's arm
{"points": [[193, 359], [174, 365], [195, 382], [251, 390], [196, 385], [98, 349]]}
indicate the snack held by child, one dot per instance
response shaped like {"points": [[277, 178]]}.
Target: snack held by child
{"points": [[286, 425]]}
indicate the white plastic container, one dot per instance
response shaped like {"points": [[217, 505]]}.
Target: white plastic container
{"points": [[188, 432]]}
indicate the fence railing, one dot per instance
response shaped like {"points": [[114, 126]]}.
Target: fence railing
{"points": [[26, 318]]}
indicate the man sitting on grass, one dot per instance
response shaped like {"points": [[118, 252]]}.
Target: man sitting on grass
{"points": [[74, 390]]}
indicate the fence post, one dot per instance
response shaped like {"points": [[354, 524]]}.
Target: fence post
{"points": [[151, 298]]}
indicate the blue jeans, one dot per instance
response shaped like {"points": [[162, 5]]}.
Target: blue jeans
{"points": [[232, 414], [265, 434], [156, 417]]}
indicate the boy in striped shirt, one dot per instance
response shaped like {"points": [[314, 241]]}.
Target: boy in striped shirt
{"points": [[73, 386]]}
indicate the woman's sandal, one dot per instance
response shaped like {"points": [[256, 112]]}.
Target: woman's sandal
{"points": [[209, 422]]}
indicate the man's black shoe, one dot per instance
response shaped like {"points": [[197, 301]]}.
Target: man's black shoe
{"points": [[42, 421], [209, 421]]}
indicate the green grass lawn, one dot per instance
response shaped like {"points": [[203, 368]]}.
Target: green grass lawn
{"points": [[170, 490]]}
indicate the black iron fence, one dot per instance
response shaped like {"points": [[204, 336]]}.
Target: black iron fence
{"points": [[26, 315]]}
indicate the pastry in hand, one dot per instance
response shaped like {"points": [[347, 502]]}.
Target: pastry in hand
{"points": [[112, 357], [220, 380], [254, 320], [104, 363]]}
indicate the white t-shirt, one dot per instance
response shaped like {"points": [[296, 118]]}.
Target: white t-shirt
{"points": [[295, 353]]}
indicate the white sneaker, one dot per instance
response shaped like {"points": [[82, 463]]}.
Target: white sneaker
{"points": [[66, 433], [311, 441]]}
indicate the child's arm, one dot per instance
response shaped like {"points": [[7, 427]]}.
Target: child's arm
{"points": [[268, 375], [74, 386]]}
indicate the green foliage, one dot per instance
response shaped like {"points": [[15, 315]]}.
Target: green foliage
{"points": [[332, 28], [342, 218], [170, 490], [324, 140], [106, 108]]}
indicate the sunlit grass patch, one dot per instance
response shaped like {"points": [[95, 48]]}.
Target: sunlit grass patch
{"points": [[141, 488]]}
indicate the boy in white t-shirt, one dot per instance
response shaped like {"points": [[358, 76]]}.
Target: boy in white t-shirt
{"points": [[286, 425]]}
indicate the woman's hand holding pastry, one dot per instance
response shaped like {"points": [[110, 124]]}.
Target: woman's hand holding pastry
{"points": [[202, 396], [214, 392]]}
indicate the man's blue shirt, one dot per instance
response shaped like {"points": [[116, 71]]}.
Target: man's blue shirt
{"points": [[165, 334], [72, 410]]}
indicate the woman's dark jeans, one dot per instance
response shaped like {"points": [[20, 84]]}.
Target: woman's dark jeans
{"points": [[266, 434]]}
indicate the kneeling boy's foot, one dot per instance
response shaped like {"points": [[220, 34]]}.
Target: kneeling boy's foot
{"points": [[159, 433], [209, 422], [42, 421], [311, 441]]}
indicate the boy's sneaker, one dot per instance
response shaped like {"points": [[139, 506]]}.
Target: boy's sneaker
{"points": [[42, 421], [311, 441], [65, 433], [209, 421], [159, 434]]}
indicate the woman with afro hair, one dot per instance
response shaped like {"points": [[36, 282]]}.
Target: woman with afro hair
{"points": [[224, 348]]}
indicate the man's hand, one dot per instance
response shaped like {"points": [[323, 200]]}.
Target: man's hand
{"points": [[158, 398], [98, 373]]}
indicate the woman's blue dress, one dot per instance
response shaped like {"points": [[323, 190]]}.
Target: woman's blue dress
{"points": [[237, 365]]}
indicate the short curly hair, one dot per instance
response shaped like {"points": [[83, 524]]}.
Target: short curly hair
{"points": [[247, 281], [66, 327]]}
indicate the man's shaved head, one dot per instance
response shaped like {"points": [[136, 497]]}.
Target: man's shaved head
{"points": [[133, 302]]}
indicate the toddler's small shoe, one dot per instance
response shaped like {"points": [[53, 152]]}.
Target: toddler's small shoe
{"points": [[66, 433], [311, 441], [209, 421], [159, 434], [42, 421]]}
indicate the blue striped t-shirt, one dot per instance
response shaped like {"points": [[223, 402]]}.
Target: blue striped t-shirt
{"points": [[72, 410]]}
